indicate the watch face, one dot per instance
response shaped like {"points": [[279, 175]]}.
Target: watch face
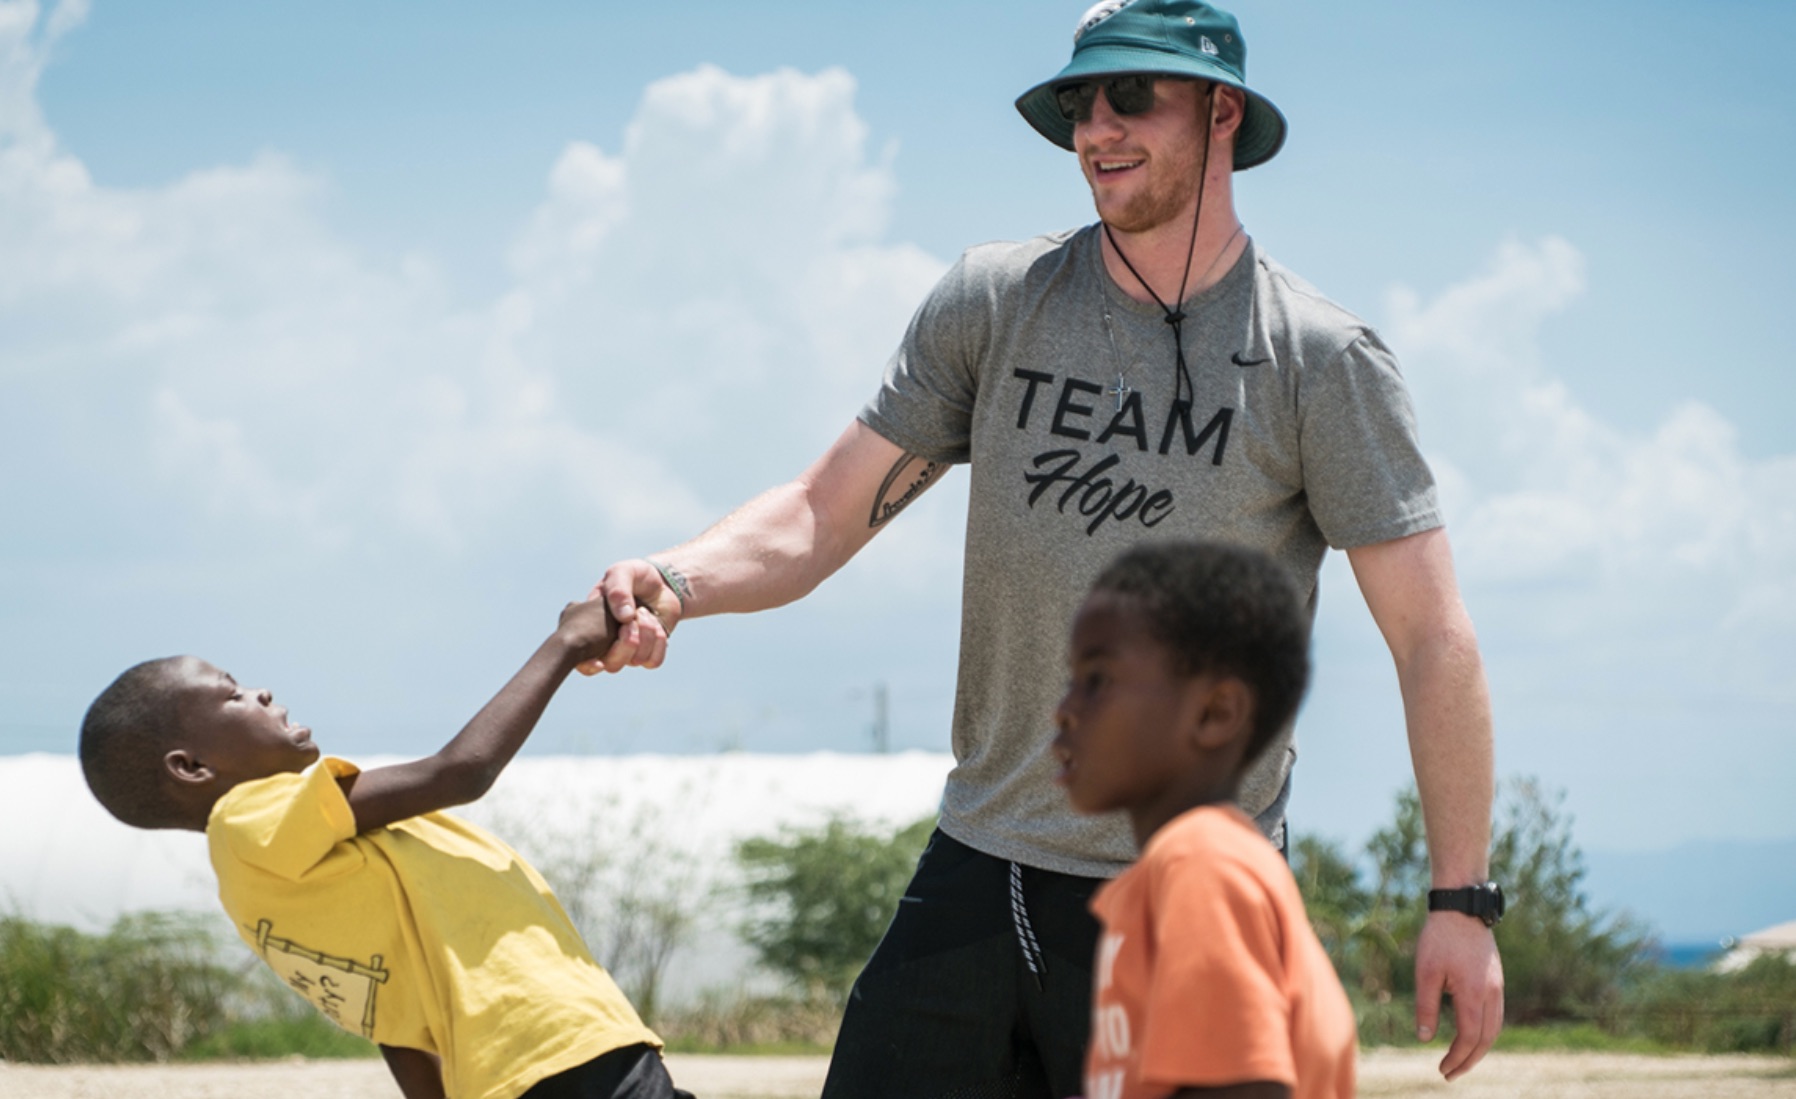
{"points": [[1487, 903]]}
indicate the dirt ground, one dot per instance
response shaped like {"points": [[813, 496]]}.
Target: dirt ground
{"points": [[1383, 1074]]}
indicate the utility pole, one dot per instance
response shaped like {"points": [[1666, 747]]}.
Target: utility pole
{"points": [[882, 720]]}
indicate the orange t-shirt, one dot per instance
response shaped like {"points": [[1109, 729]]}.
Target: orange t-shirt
{"points": [[1208, 972]]}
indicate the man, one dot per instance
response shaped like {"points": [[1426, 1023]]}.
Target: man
{"points": [[1154, 374]]}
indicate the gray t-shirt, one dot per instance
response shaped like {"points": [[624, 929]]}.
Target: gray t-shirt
{"points": [[1300, 437]]}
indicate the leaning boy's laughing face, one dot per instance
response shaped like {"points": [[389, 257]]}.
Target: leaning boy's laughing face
{"points": [[238, 731]]}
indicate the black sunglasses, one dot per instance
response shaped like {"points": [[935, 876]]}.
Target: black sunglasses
{"points": [[1133, 94]]}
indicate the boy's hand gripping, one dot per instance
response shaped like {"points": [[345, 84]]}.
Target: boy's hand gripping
{"points": [[587, 629], [646, 609]]}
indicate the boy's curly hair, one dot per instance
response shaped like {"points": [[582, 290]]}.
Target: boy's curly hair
{"points": [[123, 738], [1223, 609]]}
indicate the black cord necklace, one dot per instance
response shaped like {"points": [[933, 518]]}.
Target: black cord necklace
{"points": [[1176, 317]]}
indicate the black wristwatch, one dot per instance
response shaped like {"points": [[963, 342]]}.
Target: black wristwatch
{"points": [[1483, 901]]}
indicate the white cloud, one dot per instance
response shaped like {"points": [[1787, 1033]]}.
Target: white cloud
{"points": [[1669, 545], [727, 259], [716, 293], [23, 48], [691, 320], [563, 239], [225, 473]]}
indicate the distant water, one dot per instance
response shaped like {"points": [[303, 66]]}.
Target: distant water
{"points": [[1689, 955]]}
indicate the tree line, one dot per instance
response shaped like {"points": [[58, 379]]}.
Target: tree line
{"points": [[812, 903]]}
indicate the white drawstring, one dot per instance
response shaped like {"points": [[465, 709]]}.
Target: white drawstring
{"points": [[1025, 932]]}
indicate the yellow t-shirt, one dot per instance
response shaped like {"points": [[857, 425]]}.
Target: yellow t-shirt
{"points": [[428, 933]]}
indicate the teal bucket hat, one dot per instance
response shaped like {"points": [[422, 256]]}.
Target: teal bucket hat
{"points": [[1172, 37]]}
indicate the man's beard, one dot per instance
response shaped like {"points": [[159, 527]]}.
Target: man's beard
{"points": [[1150, 209], [1171, 189], [1160, 203]]}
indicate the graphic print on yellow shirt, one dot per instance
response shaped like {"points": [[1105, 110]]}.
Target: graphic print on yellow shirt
{"points": [[341, 989], [429, 934]]}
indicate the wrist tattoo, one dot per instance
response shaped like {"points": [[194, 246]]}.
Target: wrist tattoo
{"points": [[675, 580], [909, 476]]}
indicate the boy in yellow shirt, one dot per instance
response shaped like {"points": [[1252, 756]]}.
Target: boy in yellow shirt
{"points": [[397, 921], [1185, 659]]}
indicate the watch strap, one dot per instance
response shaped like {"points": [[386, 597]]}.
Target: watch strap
{"points": [[1483, 901]]}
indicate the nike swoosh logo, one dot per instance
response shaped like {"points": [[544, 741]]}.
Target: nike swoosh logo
{"points": [[1239, 361]]}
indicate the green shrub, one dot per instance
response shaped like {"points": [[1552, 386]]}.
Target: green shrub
{"points": [[1752, 1010], [737, 1023], [309, 1035], [1574, 978], [1573, 1038], [264, 1020], [821, 899], [1562, 961], [143, 991]]}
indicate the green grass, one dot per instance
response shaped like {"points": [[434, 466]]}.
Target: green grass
{"points": [[726, 1022], [1574, 1038], [142, 991], [153, 987], [309, 1035], [750, 1049], [1392, 1025]]}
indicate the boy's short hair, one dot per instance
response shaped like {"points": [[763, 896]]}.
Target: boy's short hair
{"points": [[1223, 609], [124, 736]]}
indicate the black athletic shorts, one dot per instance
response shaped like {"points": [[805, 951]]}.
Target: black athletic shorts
{"points": [[633, 1072], [981, 988]]}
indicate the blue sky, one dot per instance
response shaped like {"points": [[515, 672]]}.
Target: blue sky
{"points": [[343, 344]]}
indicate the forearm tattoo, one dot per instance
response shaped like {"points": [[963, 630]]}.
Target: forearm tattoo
{"points": [[675, 580], [910, 475]]}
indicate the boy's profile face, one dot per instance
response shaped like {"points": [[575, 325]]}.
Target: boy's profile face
{"points": [[1126, 718], [238, 733]]}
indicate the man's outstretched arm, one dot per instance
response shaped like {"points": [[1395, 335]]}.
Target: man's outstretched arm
{"points": [[771, 551], [1409, 586]]}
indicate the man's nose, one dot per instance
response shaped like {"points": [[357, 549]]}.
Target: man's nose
{"points": [[1104, 123], [1102, 114]]}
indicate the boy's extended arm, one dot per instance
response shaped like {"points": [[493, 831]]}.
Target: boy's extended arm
{"points": [[467, 766], [418, 1074]]}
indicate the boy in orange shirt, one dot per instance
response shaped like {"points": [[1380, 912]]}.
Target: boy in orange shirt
{"points": [[1185, 659]]}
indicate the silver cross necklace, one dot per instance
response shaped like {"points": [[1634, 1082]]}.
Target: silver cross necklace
{"points": [[1121, 389]]}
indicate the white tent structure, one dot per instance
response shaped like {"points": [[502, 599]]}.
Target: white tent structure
{"points": [[1780, 939]]}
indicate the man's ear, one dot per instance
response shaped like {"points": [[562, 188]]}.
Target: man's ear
{"points": [[1225, 711], [1227, 112], [186, 768]]}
